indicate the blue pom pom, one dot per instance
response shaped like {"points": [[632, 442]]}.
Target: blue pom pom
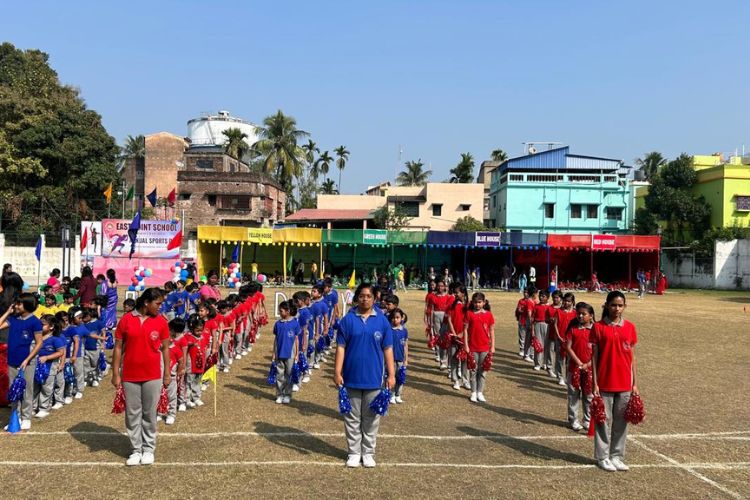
{"points": [[320, 345], [110, 342], [102, 363], [272, 374], [380, 404], [68, 374], [401, 376], [17, 388], [302, 362], [345, 406], [310, 349], [41, 372], [295, 373]]}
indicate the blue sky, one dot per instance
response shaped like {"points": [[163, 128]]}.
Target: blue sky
{"points": [[613, 79]]}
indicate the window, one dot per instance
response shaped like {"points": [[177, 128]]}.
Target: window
{"points": [[437, 209], [549, 210], [516, 177], [184, 196], [464, 207], [613, 213], [742, 203], [206, 163], [410, 208], [543, 178], [575, 210], [212, 200], [592, 212]]}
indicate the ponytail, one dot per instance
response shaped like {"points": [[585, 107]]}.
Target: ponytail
{"points": [[148, 295]]}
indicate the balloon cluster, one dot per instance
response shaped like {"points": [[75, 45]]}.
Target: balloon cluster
{"points": [[234, 275], [379, 405], [180, 271], [138, 280], [634, 412], [261, 278], [118, 405]]}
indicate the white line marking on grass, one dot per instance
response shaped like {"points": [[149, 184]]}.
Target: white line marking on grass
{"points": [[689, 470]]}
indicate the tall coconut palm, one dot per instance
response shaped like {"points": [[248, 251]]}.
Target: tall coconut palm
{"points": [[322, 165], [413, 175], [235, 145], [310, 149], [651, 163], [464, 171], [278, 149], [499, 155], [135, 147], [342, 155], [328, 187]]}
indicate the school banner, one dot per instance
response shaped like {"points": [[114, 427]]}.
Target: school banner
{"points": [[375, 237], [260, 235], [153, 238], [603, 241], [485, 239]]}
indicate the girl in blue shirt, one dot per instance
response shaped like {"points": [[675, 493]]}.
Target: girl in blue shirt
{"points": [[51, 352], [286, 330], [304, 317], [397, 318], [364, 344]]}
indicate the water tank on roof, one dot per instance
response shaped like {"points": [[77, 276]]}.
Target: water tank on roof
{"points": [[207, 130]]}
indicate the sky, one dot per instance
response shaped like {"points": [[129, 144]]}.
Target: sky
{"points": [[433, 79]]}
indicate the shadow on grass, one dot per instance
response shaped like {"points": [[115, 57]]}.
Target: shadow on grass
{"points": [[305, 444], [528, 448], [305, 408], [737, 300], [110, 440]]}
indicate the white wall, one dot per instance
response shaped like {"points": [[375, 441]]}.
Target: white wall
{"points": [[24, 260], [731, 260]]}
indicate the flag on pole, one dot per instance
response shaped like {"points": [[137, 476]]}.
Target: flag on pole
{"points": [[130, 194], [38, 251], [176, 241], [352, 281], [84, 239], [108, 193], [236, 253], [152, 197], [172, 197], [210, 375], [135, 226]]}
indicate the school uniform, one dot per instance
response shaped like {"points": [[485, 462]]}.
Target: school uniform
{"points": [[440, 304], [181, 343], [539, 318], [70, 334], [286, 333], [331, 300], [564, 319], [304, 317], [615, 343], [79, 367], [364, 339], [175, 355], [196, 359], [400, 340], [480, 324], [92, 348], [319, 310], [43, 392], [579, 337], [21, 334], [458, 369], [141, 375]]}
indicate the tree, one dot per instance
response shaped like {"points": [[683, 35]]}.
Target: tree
{"points": [[328, 187], [310, 149], [413, 175], [392, 219], [468, 224], [323, 164], [499, 155], [463, 172], [277, 147], [135, 147], [342, 155], [235, 145], [650, 164], [645, 222], [48, 129]]}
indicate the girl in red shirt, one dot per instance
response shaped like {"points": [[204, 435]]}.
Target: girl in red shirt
{"points": [[141, 349], [440, 302], [431, 289], [479, 331], [539, 327], [196, 355], [613, 341], [578, 348], [455, 321], [560, 322]]}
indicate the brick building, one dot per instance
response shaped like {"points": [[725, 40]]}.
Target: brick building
{"points": [[215, 189], [164, 156]]}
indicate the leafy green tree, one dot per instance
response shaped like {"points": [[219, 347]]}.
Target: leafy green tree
{"points": [[645, 222], [328, 187], [463, 172], [135, 147], [342, 156], [414, 175], [235, 145], [499, 155], [322, 165], [392, 219], [650, 164], [468, 224], [278, 150]]}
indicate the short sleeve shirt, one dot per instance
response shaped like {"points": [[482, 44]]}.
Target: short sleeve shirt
{"points": [[364, 340], [479, 324], [615, 345], [142, 337], [20, 336]]}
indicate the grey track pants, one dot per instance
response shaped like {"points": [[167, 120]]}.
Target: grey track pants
{"points": [[141, 399], [43, 392], [478, 376], [361, 424], [25, 406], [284, 377], [610, 437]]}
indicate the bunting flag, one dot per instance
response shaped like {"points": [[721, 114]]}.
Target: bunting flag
{"points": [[84, 239], [236, 253], [172, 197], [352, 281], [176, 241], [130, 194], [135, 226], [38, 251], [210, 375], [108, 193], [151, 197]]}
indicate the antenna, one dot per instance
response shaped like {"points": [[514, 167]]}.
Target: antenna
{"points": [[530, 147], [398, 164]]}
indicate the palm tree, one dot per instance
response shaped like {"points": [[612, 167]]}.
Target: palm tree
{"points": [[499, 155], [278, 149], [413, 175], [464, 172], [650, 164], [328, 187], [342, 155], [322, 164], [135, 147], [235, 145], [310, 149]]}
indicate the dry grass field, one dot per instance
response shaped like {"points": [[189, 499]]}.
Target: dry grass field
{"points": [[693, 360]]}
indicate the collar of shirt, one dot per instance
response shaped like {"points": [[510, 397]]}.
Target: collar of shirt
{"points": [[365, 316], [610, 322], [290, 318], [589, 327]]}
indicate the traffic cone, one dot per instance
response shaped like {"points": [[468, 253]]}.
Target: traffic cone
{"points": [[14, 426]]}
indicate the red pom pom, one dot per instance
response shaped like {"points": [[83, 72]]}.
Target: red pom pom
{"points": [[163, 407], [598, 414], [432, 341], [587, 382], [487, 363], [538, 347], [444, 341], [212, 360], [471, 362], [634, 412], [575, 378], [461, 355], [118, 406]]}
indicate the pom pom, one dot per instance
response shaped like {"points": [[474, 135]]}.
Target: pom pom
{"points": [[598, 414], [471, 362], [432, 342], [102, 363], [272, 374], [302, 362], [295, 374], [41, 372], [17, 388], [310, 349], [345, 406], [118, 406], [263, 320], [444, 341], [380, 404], [212, 360], [538, 347], [162, 408], [461, 355], [199, 359], [401, 375], [487, 363], [634, 412], [68, 374], [109, 343], [320, 345]]}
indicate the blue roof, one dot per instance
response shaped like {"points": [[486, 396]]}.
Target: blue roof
{"points": [[559, 159]]}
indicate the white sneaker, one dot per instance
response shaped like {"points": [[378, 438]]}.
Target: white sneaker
{"points": [[322, 360], [158, 418], [619, 464], [190, 404], [133, 459], [225, 370], [279, 400], [182, 407], [399, 400], [25, 424], [467, 386], [204, 386], [231, 361], [305, 379], [473, 397], [95, 383], [68, 400], [552, 374], [316, 366], [244, 352], [199, 403], [79, 395], [353, 461], [529, 359], [561, 381], [576, 426], [287, 400], [295, 388], [393, 399], [480, 397], [443, 366], [457, 386], [538, 368], [368, 461], [169, 421], [520, 353], [606, 465], [147, 458], [57, 406], [238, 356]]}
